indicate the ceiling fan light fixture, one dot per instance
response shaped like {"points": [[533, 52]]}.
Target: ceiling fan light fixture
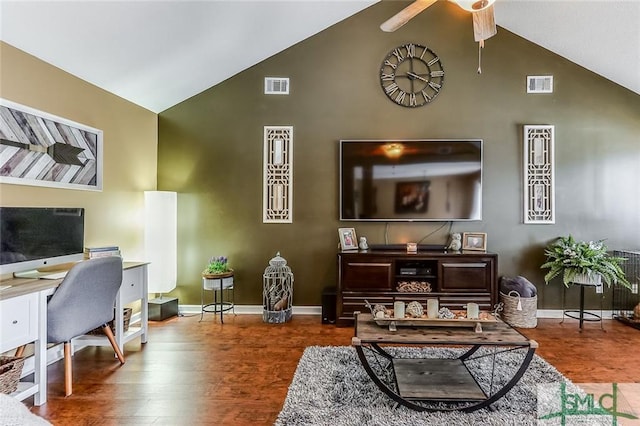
{"points": [[393, 150], [474, 5]]}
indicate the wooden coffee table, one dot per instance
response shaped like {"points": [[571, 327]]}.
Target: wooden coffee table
{"points": [[431, 384]]}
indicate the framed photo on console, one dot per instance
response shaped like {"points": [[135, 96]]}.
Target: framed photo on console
{"points": [[348, 239], [474, 241]]}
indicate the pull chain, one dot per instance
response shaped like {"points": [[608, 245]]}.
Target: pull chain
{"points": [[480, 46]]}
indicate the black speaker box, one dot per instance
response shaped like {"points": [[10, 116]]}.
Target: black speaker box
{"points": [[162, 308], [329, 305]]}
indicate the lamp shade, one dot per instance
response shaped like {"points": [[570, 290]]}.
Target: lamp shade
{"points": [[161, 239]]}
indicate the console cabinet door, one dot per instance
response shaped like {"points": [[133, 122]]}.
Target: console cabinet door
{"points": [[466, 275], [358, 274]]}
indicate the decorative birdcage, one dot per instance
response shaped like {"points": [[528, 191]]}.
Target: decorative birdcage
{"points": [[277, 291]]}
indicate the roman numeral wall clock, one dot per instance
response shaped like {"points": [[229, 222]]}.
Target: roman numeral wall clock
{"points": [[411, 75]]}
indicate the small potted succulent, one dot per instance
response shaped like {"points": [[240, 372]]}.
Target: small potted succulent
{"points": [[583, 262], [218, 267], [217, 274]]}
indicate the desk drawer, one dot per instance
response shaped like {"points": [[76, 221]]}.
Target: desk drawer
{"points": [[132, 285], [18, 321]]}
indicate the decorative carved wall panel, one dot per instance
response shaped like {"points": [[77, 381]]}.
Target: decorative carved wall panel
{"points": [[539, 190], [278, 175]]}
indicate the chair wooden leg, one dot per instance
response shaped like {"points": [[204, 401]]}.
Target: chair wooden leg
{"points": [[112, 340], [68, 375], [20, 351]]}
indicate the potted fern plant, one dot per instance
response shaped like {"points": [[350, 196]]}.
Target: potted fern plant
{"points": [[583, 262]]}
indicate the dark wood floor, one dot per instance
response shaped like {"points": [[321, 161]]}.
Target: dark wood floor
{"points": [[205, 373]]}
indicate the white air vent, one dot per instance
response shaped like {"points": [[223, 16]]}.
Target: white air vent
{"points": [[540, 84], [276, 86]]}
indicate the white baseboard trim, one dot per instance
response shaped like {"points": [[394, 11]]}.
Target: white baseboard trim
{"points": [[317, 310], [557, 313], [252, 310]]}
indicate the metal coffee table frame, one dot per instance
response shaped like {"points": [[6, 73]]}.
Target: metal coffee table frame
{"points": [[410, 382]]}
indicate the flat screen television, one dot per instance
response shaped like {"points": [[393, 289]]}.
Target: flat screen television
{"points": [[411, 180], [35, 237]]}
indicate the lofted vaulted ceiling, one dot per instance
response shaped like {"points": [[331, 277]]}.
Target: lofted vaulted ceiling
{"points": [[158, 53]]}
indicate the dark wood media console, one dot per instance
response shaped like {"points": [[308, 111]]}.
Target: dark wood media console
{"points": [[455, 279]]}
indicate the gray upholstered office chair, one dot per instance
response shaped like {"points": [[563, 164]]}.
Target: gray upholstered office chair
{"points": [[83, 301]]}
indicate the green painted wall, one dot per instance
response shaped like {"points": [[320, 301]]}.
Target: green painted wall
{"points": [[211, 147]]}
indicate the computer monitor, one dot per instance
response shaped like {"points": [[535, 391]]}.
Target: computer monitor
{"points": [[36, 237]]}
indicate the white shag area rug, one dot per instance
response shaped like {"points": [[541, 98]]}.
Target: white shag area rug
{"points": [[330, 387], [15, 413]]}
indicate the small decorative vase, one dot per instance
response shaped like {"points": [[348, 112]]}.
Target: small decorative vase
{"points": [[636, 312]]}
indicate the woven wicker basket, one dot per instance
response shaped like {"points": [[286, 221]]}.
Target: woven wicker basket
{"points": [[523, 318], [10, 371], [126, 319]]}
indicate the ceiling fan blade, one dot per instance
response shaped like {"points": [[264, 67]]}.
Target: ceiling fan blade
{"points": [[402, 17], [484, 24]]}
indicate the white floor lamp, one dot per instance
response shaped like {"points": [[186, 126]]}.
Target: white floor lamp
{"points": [[161, 249]]}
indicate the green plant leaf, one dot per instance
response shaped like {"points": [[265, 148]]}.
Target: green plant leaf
{"points": [[569, 257]]}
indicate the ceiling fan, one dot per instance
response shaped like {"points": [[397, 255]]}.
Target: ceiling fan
{"points": [[484, 25]]}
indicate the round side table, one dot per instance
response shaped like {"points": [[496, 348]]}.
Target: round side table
{"points": [[580, 314], [218, 283]]}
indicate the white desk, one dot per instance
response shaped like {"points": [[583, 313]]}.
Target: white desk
{"points": [[23, 319]]}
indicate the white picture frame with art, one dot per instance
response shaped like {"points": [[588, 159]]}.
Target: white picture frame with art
{"points": [[348, 239], [41, 149], [474, 241]]}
